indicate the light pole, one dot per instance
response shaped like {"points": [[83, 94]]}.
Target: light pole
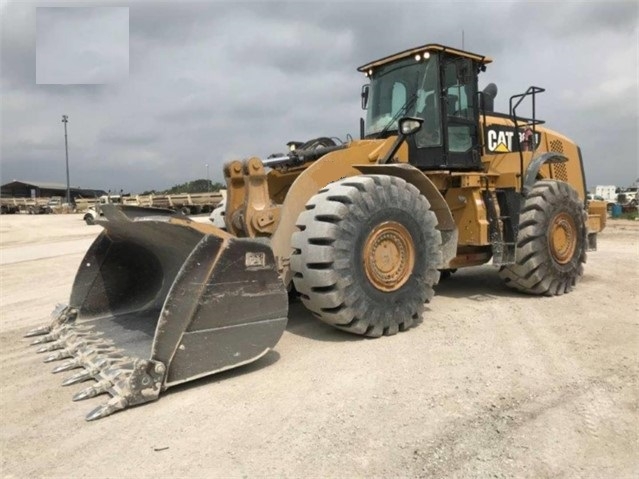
{"points": [[208, 182], [65, 120]]}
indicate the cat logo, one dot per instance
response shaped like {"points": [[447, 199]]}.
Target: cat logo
{"points": [[499, 139]]}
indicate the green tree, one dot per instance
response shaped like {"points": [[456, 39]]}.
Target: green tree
{"points": [[195, 186]]}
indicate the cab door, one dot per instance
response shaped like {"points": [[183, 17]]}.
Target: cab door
{"points": [[460, 113], [449, 138]]}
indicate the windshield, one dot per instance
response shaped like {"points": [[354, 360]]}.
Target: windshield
{"points": [[403, 88]]}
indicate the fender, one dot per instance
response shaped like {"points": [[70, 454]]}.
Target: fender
{"points": [[344, 163], [533, 168], [331, 167]]}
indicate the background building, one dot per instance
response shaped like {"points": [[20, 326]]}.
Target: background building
{"points": [[40, 189]]}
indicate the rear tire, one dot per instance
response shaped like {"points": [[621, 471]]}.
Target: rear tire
{"points": [[551, 243], [88, 219], [366, 254]]}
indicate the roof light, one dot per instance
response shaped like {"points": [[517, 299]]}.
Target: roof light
{"points": [[418, 57], [370, 72]]}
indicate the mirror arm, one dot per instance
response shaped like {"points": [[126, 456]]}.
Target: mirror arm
{"points": [[393, 149]]}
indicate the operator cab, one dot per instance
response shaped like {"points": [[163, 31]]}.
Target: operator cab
{"points": [[437, 84]]}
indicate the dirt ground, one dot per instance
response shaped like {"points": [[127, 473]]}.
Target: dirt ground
{"points": [[490, 384]]}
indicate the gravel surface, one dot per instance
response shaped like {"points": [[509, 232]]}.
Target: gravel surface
{"points": [[491, 384]]}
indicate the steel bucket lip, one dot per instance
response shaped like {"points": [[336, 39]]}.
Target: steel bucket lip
{"points": [[122, 214], [128, 379]]}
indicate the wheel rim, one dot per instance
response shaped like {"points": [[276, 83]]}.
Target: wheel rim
{"points": [[563, 238], [388, 256]]}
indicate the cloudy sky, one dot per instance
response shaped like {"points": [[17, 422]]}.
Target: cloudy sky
{"points": [[204, 82]]}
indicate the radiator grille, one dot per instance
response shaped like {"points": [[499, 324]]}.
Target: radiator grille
{"points": [[557, 146], [560, 172]]}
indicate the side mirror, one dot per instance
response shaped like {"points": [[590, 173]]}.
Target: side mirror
{"points": [[365, 90], [407, 126], [410, 125]]}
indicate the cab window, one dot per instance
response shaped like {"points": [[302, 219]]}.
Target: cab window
{"points": [[460, 108]]}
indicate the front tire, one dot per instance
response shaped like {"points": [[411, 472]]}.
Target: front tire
{"points": [[551, 243], [366, 254]]}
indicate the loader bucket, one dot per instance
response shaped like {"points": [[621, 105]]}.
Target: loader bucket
{"points": [[159, 300]]}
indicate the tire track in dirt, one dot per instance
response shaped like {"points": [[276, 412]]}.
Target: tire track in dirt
{"points": [[472, 444]]}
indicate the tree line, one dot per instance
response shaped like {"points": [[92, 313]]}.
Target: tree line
{"points": [[195, 186]]}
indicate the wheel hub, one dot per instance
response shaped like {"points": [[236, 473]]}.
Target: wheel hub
{"points": [[562, 238], [388, 256]]}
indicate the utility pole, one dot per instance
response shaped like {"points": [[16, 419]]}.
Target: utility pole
{"points": [[208, 182], [65, 120]]}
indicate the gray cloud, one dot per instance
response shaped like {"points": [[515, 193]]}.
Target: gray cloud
{"points": [[18, 45], [211, 81], [82, 45]]}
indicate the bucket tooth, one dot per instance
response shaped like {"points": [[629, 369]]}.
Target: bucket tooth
{"points": [[39, 331], [73, 347], [99, 388], [114, 404], [60, 316], [131, 381], [62, 354], [64, 336], [77, 378], [92, 370], [50, 347], [47, 338], [68, 365]]}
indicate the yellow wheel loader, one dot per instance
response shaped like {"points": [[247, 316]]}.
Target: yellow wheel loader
{"points": [[362, 231]]}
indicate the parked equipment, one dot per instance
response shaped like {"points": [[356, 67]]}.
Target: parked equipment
{"points": [[438, 181], [93, 213]]}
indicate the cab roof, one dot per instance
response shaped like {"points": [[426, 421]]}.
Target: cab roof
{"points": [[431, 47]]}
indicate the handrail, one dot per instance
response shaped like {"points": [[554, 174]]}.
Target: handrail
{"points": [[531, 122]]}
